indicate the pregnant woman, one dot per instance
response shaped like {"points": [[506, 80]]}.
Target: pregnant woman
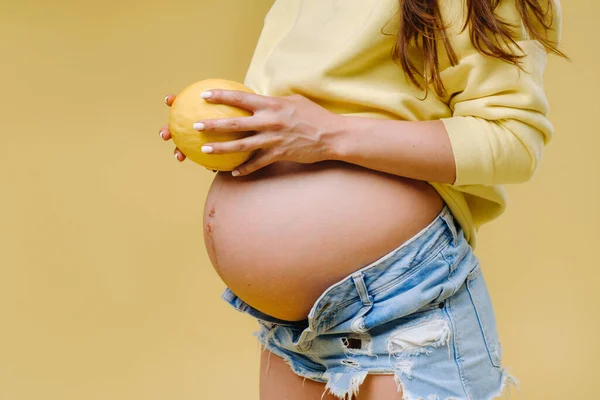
{"points": [[384, 132]]}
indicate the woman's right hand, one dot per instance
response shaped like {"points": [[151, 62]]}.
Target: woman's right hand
{"points": [[166, 135]]}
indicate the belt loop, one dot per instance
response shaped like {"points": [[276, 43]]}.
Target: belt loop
{"points": [[450, 221], [361, 287]]}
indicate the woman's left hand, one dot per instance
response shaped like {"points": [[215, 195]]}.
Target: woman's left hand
{"points": [[290, 128]]}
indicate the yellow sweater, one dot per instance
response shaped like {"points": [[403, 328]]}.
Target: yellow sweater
{"points": [[337, 53]]}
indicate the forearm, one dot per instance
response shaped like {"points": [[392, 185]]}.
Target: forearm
{"points": [[414, 149]]}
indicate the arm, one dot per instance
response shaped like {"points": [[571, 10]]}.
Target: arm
{"points": [[496, 132], [418, 150]]}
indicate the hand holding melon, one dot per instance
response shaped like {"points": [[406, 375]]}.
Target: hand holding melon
{"points": [[234, 129], [188, 107]]}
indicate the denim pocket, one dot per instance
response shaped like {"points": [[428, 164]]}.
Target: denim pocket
{"points": [[482, 303]]}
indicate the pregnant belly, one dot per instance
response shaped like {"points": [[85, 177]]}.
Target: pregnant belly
{"points": [[282, 235]]}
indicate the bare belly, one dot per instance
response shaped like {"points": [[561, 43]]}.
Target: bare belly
{"points": [[283, 234]]}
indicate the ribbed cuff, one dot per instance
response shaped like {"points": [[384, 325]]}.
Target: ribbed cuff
{"points": [[472, 153]]}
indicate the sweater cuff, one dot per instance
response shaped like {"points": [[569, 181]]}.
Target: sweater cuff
{"points": [[472, 153]]}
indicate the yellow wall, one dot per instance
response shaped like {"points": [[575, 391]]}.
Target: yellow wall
{"points": [[106, 291]]}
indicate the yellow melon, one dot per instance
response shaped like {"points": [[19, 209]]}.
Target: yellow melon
{"points": [[189, 108]]}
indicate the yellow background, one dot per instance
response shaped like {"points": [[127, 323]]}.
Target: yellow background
{"points": [[106, 291]]}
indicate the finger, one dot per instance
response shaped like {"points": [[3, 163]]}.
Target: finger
{"points": [[164, 133], [170, 99], [238, 124], [251, 143], [249, 101], [179, 155], [262, 159]]}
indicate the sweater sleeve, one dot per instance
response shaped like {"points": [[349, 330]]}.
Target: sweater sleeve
{"points": [[499, 126]]}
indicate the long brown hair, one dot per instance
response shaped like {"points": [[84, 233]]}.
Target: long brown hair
{"points": [[422, 23]]}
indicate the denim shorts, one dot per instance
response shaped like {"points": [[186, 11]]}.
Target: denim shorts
{"points": [[421, 313]]}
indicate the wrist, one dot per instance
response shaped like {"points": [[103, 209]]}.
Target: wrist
{"points": [[333, 135]]}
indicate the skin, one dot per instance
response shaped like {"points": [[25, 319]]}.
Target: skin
{"points": [[293, 128]]}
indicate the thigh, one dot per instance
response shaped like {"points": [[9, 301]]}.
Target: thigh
{"points": [[279, 382], [379, 387]]}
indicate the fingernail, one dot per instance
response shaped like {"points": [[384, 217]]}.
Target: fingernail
{"points": [[177, 156], [160, 133], [166, 98], [235, 172], [207, 149], [198, 126], [205, 95]]}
